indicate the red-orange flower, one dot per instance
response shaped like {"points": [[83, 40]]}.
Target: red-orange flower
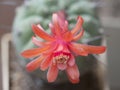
{"points": [[59, 48]]}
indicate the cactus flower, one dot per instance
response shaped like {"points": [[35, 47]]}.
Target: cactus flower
{"points": [[58, 50]]}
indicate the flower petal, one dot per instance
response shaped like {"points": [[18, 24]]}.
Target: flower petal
{"points": [[74, 81], [45, 63], [38, 30], [71, 62], [62, 66], [56, 24], [34, 64], [34, 52], [78, 36], [78, 51], [52, 73], [61, 18], [65, 26], [78, 25], [91, 49], [37, 42], [52, 28], [53, 47], [73, 73], [62, 22], [68, 36]]}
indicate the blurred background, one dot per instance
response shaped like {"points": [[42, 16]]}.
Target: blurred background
{"points": [[109, 17]]}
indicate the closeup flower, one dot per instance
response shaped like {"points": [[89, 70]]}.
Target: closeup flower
{"points": [[58, 50]]}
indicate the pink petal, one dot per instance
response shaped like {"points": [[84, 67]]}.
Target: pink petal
{"points": [[53, 47], [52, 73], [61, 14], [73, 73], [91, 49], [68, 36], [34, 52], [78, 51], [45, 63], [78, 25], [75, 81], [37, 42], [71, 62], [78, 36], [62, 66], [94, 49], [65, 26], [60, 47], [62, 22], [52, 28], [56, 24], [34, 64], [39, 31]]}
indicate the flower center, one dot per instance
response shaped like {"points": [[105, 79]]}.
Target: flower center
{"points": [[61, 57]]}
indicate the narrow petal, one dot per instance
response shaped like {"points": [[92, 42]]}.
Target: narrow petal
{"points": [[71, 62], [78, 25], [68, 36], [73, 73], [34, 64], [45, 63], [65, 26], [39, 31], [91, 49], [34, 52], [78, 36], [60, 47], [78, 51], [52, 28], [75, 81], [54, 46], [62, 21], [62, 66], [37, 42], [61, 18], [52, 73], [56, 24]]}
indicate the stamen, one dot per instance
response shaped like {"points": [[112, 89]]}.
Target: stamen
{"points": [[61, 58]]}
